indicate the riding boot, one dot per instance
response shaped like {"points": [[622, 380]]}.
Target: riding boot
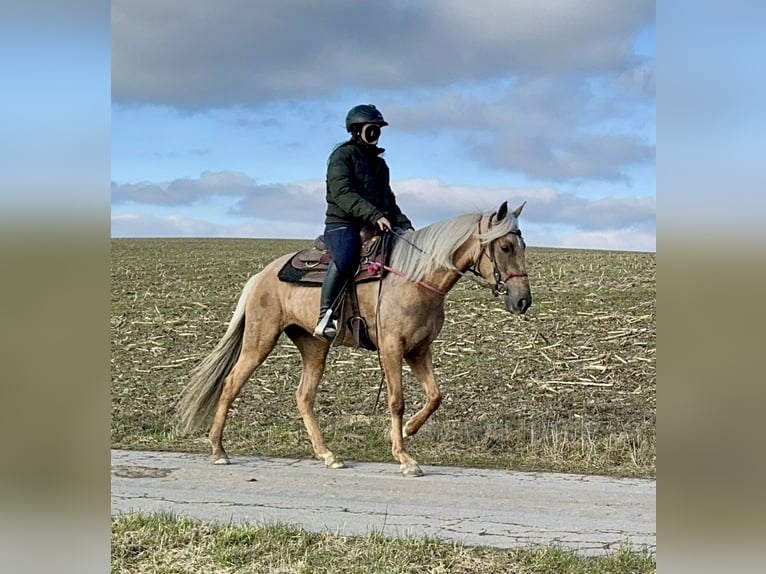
{"points": [[332, 288]]}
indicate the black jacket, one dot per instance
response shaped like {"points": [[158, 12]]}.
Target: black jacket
{"points": [[358, 187]]}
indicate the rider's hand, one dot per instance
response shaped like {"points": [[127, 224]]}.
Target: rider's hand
{"points": [[384, 224]]}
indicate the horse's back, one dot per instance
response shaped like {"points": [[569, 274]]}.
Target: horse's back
{"points": [[281, 303]]}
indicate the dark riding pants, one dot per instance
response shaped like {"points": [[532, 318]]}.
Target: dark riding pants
{"points": [[343, 242]]}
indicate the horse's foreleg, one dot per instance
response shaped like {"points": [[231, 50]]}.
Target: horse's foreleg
{"points": [[314, 354], [392, 366], [423, 370], [254, 351]]}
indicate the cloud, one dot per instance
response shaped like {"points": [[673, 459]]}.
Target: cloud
{"points": [[630, 239], [142, 225], [569, 155], [557, 129], [195, 54], [546, 95], [301, 201], [602, 213], [302, 204], [639, 80], [549, 91], [431, 200], [188, 191], [139, 224]]}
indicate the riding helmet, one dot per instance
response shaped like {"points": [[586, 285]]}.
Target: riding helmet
{"points": [[364, 114]]}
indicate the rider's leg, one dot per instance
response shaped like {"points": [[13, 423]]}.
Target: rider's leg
{"points": [[343, 242], [332, 288]]}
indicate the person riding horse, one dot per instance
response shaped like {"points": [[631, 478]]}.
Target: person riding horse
{"points": [[358, 194]]}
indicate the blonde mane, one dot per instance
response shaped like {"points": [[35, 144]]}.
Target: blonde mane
{"points": [[438, 242]]}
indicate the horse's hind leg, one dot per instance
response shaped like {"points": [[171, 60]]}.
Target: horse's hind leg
{"points": [[423, 369], [256, 346], [314, 354]]}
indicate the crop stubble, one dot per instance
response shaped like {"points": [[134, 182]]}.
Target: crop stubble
{"points": [[570, 386]]}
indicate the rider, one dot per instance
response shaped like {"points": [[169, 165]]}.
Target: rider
{"points": [[358, 194]]}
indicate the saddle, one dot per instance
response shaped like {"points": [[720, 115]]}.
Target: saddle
{"points": [[309, 267]]}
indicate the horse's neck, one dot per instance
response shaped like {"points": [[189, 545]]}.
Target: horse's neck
{"points": [[465, 256]]}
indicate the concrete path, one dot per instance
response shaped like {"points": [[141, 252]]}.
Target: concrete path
{"points": [[504, 509]]}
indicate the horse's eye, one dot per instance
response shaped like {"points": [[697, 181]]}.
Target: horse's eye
{"points": [[506, 248]]}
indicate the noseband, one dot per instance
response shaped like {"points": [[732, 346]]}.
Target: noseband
{"points": [[499, 288]]}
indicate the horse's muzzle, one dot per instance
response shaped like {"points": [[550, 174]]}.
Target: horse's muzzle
{"points": [[518, 303]]}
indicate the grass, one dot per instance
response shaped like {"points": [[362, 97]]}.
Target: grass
{"points": [[165, 544], [569, 387]]}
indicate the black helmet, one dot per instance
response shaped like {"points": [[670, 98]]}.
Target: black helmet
{"points": [[364, 114]]}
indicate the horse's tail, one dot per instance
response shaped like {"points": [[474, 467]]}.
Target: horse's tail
{"points": [[200, 397]]}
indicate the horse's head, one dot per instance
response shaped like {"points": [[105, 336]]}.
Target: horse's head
{"points": [[505, 263]]}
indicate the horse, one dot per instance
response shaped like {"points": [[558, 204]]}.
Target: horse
{"points": [[404, 313]]}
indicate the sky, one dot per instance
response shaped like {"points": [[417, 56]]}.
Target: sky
{"points": [[223, 114]]}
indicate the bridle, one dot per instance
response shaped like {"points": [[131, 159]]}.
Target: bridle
{"points": [[499, 288]]}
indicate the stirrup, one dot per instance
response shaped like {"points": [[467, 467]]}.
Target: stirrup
{"points": [[327, 327]]}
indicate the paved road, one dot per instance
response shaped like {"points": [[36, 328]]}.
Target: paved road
{"points": [[476, 507]]}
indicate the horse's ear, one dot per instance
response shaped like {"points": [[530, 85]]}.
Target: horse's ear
{"points": [[502, 212], [517, 211]]}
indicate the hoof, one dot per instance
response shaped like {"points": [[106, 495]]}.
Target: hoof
{"points": [[333, 461], [411, 470], [221, 460]]}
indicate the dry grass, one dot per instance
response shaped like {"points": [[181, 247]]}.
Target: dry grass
{"points": [[165, 544], [571, 386]]}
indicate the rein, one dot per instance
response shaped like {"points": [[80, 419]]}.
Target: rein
{"points": [[374, 268]]}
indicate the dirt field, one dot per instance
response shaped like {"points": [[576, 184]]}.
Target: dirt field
{"points": [[571, 386]]}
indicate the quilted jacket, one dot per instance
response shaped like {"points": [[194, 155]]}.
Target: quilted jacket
{"points": [[358, 187]]}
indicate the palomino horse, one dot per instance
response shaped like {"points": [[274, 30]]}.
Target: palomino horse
{"points": [[404, 315]]}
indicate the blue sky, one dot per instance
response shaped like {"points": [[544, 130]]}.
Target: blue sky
{"points": [[223, 114]]}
